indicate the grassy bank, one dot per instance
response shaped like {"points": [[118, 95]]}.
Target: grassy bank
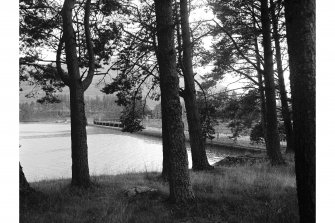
{"points": [[258, 193]]}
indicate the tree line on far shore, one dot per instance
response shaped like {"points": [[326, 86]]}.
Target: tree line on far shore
{"points": [[95, 107]]}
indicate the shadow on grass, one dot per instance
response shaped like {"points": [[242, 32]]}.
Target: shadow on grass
{"points": [[239, 194]]}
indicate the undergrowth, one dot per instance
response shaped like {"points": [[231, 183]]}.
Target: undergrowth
{"points": [[258, 193]]}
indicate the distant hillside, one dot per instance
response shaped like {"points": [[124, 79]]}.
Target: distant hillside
{"points": [[91, 92]]}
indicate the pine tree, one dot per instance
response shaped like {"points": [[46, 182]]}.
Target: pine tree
{"points": [[199, 157], [272, 134], [300, 23], [179, 180]]}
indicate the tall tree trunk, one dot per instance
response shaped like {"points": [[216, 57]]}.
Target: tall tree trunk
{"points": [[283, 97], [199, 157], [260, 81], [272, 135], [165, 164], [179, 180], [165, 170], [80, 170], [300, 23], [263, 107]]}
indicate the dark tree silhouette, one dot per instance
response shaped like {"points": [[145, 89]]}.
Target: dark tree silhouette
{"points": [[179, 181], [77, 86], [40, 27], [250, 25], [199, 157], [272, 134], [260, 88], [281, 82], [137, 65], [300, 23], [25, 188]]}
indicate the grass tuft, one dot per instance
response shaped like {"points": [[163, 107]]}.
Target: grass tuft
{"points": [[257, 193]]}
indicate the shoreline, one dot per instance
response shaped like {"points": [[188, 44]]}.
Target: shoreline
{"points": [[156, 132]]}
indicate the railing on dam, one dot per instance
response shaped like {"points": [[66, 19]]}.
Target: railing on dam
{"points": [[111, 123]]}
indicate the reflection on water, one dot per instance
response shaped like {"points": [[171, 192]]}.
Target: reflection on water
{"points": [[46, 152]]}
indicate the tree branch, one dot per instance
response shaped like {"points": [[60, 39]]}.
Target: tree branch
{"points": [[245, 75], [62, 75], [91, 62], [145, 99], [201, 36], [136, 37], [238, 48]]}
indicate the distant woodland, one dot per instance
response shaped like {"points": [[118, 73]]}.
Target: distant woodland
{"points": [[98, 107]]}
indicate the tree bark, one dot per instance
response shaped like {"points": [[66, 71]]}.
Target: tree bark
{"points": [[199, 157], [300, 23], [24, 185], [272, 135], [179, 181], [263, 107], [283, 97], [80, 170], [165, 171], [260, 85]]}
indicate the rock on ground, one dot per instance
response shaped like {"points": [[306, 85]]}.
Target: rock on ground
{"points": [[132, 192]]}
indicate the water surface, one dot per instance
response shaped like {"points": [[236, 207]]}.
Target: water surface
{"points": [[46, 151]]}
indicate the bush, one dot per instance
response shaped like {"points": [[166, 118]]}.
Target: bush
{"points": [[131, 120], [257, 134]]}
